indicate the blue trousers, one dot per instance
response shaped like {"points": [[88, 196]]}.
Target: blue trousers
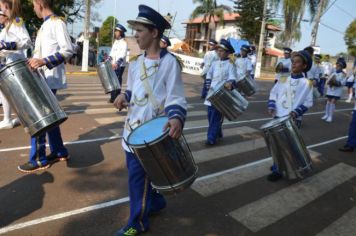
{"points": [[351, 140], [143, 199], [119, 72], [215, 119], [38, 144], [321, 86], [204, 91]]}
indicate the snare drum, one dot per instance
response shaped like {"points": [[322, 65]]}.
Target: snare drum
{"points": [[229, 102], [246, 85], [168, 162], [107, 76], [287, 147]]}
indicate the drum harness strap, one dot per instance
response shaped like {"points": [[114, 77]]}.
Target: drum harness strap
{"points": [[144, 78], [289, 96]]}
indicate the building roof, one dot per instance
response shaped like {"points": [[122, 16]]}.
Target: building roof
{"points": [[227, 17]]}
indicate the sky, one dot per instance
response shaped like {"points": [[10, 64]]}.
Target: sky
{"points": [[330, 34]]}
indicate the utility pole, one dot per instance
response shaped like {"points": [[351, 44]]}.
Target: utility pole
{"points": [[261, 42], [86, 37], [317, 21]]}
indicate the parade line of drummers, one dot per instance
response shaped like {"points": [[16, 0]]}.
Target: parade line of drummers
{"points": [[157, 155]]}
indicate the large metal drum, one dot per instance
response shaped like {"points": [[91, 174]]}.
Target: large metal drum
{"points": [[229, 102], [30, 97], [108, 77], [168, 162], [246, 85], [287, 147]]}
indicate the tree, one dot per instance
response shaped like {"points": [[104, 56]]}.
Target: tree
{"points": [[350, 38], [293, 13], [250, 19], [106, 31], [209, 10]]}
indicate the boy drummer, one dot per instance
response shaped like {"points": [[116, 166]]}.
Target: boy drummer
{"points": [[154, 88], [221, 70], [292, 96]]}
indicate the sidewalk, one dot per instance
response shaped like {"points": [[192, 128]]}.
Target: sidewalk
{"points": [[77, 70]]}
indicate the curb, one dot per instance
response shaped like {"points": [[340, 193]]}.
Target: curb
{"points": [[82, 73]]}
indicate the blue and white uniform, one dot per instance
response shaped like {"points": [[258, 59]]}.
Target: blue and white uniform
{"points": [[14, 41], [286, 70], [209, 58], [336, 91], [292, 94], [154, 88], [243, 67], [221, 70], [54, 45]]}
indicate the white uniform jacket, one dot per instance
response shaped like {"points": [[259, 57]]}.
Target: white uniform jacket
{"points": [[287, 68], [243, 67], [154, 88], [219, 71], [253, 60], [291, 94], [336, 90], [15, 40], [53, 44], [118, 52], [209, 58], [328, 68], [315, 72]]}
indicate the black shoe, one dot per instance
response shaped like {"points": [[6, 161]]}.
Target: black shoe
{"points": [[110, 101], [274, 176], [128, 231], [53, 158], [29, 167], [346, 148]]}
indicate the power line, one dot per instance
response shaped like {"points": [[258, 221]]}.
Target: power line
{"points": [[332, 28], [343, 10], [329, 7]]}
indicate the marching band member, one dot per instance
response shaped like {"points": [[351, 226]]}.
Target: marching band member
{"points": [[327, 70], [283, 65], [292, 96], [52, 47], [351, 139], [221, 70], [252, 57], [15, 40], [154, 88], [165, 42], [209, 57], [243, 63], [334, 89], [118, 55], [350, 85], [315, 72]]}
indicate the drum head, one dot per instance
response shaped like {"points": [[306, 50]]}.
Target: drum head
{"points": [[274, 123], [148, 132]]}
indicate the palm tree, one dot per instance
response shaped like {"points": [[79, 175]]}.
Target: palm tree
{"points": [[209, 10], [293, 12]]}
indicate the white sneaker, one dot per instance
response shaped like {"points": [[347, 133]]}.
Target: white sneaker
{"points": [[6, 125], [348, 100], [324, 117], [15, 122], [329, 119]]}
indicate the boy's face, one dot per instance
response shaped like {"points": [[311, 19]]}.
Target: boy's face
{"points": [[298, 65], [162, 44], [117, 34], [37, 8], [243, 53], [222, 53], [5, 9], [144, 36], [338, 66]]}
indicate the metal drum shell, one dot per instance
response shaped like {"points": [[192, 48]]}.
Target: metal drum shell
{"points": [[246, 85], [108, 77], [229, 102], [31, 98], [287, 147], [168, 162]]}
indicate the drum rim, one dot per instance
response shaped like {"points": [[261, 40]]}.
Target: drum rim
{"points": [[11, 64], [163, 135], [274, 123]]}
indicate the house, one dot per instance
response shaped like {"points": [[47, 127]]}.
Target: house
{"points": [[197, 33]]}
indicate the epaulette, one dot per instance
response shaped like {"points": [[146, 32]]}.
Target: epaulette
{"points": [[18, 21], [232, 58], [179, 60], [54, 17], [134, 57], [283, 79]]}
